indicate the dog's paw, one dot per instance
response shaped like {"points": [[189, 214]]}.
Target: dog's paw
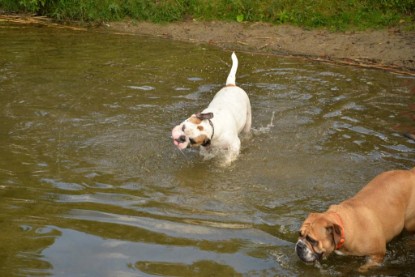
{"points": [[374, 261]]}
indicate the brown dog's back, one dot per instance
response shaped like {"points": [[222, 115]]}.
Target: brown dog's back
{"points": [[389, 189]]}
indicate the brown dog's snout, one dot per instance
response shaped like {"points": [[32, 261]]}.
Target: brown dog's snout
{"points": [[305, 253], [300, 247]]}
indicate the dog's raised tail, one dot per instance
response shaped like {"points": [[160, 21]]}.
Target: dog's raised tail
{"points": [[231, 80]]}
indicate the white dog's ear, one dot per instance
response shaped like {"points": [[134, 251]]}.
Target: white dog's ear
{"points": [[203, 116]]}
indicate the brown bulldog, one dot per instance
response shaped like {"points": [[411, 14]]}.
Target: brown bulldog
{"points": [[363, 224]]}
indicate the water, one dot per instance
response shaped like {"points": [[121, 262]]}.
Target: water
{"points": [[91, 184]]}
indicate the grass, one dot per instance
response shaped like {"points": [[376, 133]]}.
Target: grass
{"points": [[332, 14]]}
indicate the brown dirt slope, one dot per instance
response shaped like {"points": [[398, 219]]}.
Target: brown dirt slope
{"points": [[392, 49]]}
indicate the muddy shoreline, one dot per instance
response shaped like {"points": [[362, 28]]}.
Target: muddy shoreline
{"points": [[387, 49]]}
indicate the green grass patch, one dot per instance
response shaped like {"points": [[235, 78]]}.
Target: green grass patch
{"points": [[333, 14]]}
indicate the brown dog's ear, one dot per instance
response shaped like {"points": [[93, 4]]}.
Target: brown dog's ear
{"points": [[336, 231], [203, 116]]}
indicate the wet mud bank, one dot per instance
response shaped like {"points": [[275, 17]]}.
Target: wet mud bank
{"points": [[390, 49]]}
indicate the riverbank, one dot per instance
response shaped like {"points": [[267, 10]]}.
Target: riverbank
{"points": [[390, 49]]}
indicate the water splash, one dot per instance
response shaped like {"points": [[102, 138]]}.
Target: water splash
{"points": [[264, 129]]}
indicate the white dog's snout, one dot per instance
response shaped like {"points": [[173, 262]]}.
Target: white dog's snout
{"points": [[182, 138]]}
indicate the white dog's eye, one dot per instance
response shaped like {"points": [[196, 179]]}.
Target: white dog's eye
{"points": [[183, 127]]}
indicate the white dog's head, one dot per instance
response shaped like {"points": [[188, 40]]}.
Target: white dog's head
{"points": [[195, 131]]}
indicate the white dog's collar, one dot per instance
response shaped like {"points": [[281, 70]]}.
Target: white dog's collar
{"points": [[213, 129]]}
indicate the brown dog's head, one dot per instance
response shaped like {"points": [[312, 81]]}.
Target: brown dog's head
{"points": [[195, 131], [319, 236]]}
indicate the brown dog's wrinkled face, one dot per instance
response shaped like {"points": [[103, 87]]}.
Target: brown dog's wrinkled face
{"points": [[318, 238], [193, 131]]}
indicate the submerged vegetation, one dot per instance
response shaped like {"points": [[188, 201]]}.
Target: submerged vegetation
{"points": [[334, 14]]}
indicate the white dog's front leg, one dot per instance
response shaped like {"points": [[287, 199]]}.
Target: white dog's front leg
{"points": [[207, 153], [232, 152]]}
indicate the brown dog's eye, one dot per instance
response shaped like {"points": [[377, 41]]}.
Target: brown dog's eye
{"points": [[310, 240]]}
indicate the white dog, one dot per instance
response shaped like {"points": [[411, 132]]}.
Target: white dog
{"points": [[217, 127]]}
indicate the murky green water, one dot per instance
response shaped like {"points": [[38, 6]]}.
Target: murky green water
{"points": [[91, 184]]}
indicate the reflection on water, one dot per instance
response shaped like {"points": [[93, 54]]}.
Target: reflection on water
{"points": [[92, 185]]}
